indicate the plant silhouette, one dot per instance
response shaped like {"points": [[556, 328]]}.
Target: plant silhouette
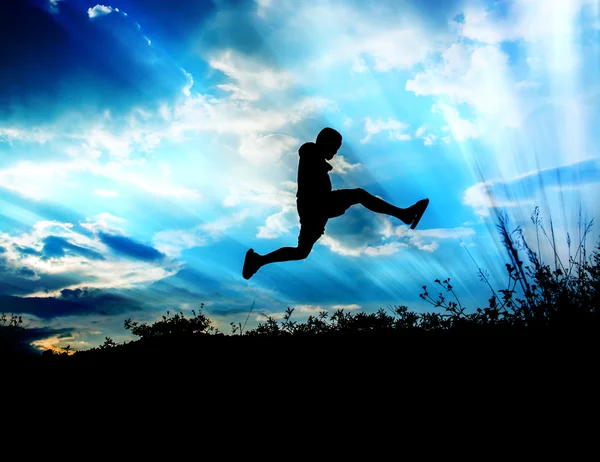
{"points": [[560, 297], [316, 202]]}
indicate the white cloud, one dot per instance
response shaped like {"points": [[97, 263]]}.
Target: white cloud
{"points": [[460, 128], [359, 65], [528, 84], [278, 224], [373, 127], [263, 317], [53, 6], [422, 239], [316, 309], [530, 20], [106, 193], [105, 223], [32, 134], [99, 10], [266, 149], [309, 309], [446, 233], [398, 237], [478, 25], [362, 38], [218, 227], [383, 249], [352, 306], [429, 140], [40, 179], [157, 185], [481, 197], [262, 7], [112, 271], [341, 166], [188, 86], [252, 78], [101, 139], [475, 75], [337, 246], [259, 192], [199, 113], [478, 76], [36, 179], [290, 185], [431, 247], [173, 241]]}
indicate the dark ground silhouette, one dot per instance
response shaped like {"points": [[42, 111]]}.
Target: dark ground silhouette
{"points": [[541, 307], [548, 311], [317, 203]]}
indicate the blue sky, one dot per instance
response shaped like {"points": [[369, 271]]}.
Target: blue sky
{"points": [[146, 145]]}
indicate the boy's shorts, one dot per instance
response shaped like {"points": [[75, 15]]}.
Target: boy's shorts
{"points": [[315, 213]]}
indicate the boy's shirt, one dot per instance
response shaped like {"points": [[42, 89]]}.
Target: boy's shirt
{"points": [[314, 183]]}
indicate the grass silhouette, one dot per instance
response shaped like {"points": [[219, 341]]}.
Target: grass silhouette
{"points": [[539, 298]]}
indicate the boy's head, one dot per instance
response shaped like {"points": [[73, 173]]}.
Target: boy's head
{"points": [[329, 141]]}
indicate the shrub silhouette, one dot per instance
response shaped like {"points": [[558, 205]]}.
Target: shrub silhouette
{"points": [[12, 333], [175, 325], [538, 297]]}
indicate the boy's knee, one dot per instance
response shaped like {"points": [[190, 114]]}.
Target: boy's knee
{"points": [[304, 251]]}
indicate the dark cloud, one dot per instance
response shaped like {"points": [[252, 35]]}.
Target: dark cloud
{"points": [[9, 288], [40, 333], [71, 302], [54, 62], [126, 246], [28, 251], [26, 273], [222, 312], [23, 280], [55, 247], [22, 342]]}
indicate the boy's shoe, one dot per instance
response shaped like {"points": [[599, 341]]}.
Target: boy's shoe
{"points": [[251, 264], [419, 208]]}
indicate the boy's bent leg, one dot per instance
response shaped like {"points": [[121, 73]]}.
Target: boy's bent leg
{"points": [[309, 234], [282, 254]]}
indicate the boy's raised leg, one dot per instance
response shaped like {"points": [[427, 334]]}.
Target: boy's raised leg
{"points": [[251, 264], [418, 209]]}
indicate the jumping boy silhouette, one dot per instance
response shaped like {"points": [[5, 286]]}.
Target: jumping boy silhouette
{"points": [[317, 203]]}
